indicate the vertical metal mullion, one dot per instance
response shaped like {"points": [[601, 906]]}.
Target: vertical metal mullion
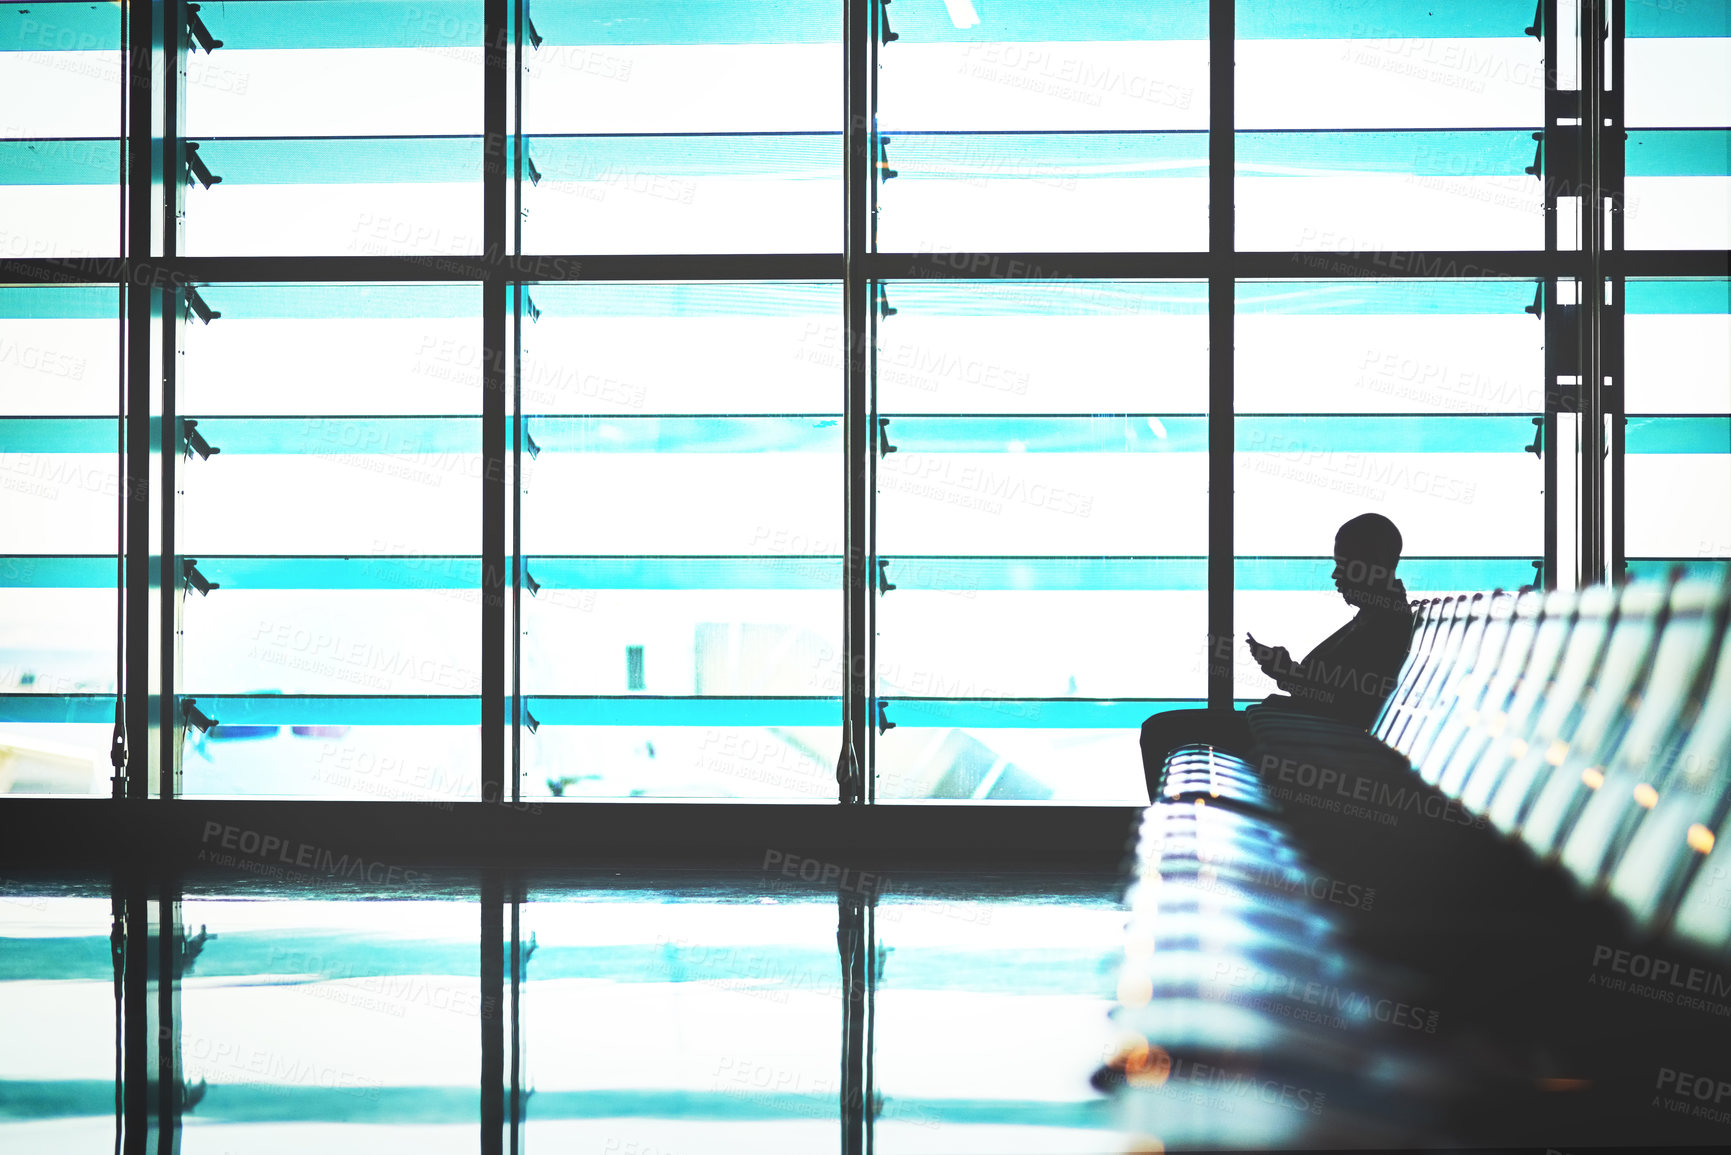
{"points": [[493, 421], [138, 1017], [855, 948], [519, 12], [858, 445], [495, 207], [172, 591], [1612, 158], [1592, 297], [1221, 318], [143, 568], [1548, 431]]}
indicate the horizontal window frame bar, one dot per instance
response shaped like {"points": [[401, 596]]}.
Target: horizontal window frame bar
{"points": [[1413, 264]]}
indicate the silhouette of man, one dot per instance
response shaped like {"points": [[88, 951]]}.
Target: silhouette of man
{"points": [[1347, 677]]}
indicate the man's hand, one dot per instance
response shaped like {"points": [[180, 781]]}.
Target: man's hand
{"points": [[1274, 660]]}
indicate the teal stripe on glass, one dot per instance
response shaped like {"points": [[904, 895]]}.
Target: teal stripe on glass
{"points": [[1678, 435], [1381, 19], [619, 22], [60, 161], [241, 302], [631, 162], [1385, 297], [1282, 435], [1028, 713], [1104, 433], [63, 573], [1440, 153], [1678, 152], [1659, 568], [279, 24], [1087, 574], [61, 27], [1677, 18], [341, 573], [1046, 298], [686, 434], [672, 299], [704, 711], [1416, 573], [1046, 573], [344, 160], [686, 573], [1288, 436], [58, 435], [57, 708], [322, 710], [1047, 156], [1711, 295], [57, 302], [345, 435]]}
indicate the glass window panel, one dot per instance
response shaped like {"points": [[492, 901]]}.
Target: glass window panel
{"points": [[1364, 128], [350, 1025], [57, 1055], [60, 70], [1414, 400], [1025, 425], [1677, 363], [682, 634], [352, 125], [1677, 185], [708, 1024], [1014, 126], [339, 523], [663, 127], [58, 509]]}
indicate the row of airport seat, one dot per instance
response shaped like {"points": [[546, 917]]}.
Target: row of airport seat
{"points": [[1579, 738], [1593, 728]]}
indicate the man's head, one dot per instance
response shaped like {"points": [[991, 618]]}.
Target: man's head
{"points": [[1366, 551]]}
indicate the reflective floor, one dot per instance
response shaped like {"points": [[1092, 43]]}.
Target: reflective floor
{"points": [[649, 1015]]}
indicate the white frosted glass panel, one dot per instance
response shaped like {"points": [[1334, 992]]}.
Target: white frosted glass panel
{"points": [[1677, 212], [1445, 504], [1042, 503], [1042, 364], [56, 641], [345, 642], [1441, 82], [65, 221], [361, 219], [981, 206], [690, 88], [1389, 363], [1033, 86], [59, 366], [1049, 765], [332, 503], [1676, 83], [1677, 505], [1388, 212], [424, 91], [59, 502], [722, 503], [623, 211], [1677, 363], [725, 364], [729, 642], [332, 365], [1088, 643], [59, 94]]}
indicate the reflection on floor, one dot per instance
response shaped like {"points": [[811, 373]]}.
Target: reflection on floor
{"points": [[651, 1016]]}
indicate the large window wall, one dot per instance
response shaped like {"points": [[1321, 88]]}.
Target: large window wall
{"points": [[776, 401]]}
